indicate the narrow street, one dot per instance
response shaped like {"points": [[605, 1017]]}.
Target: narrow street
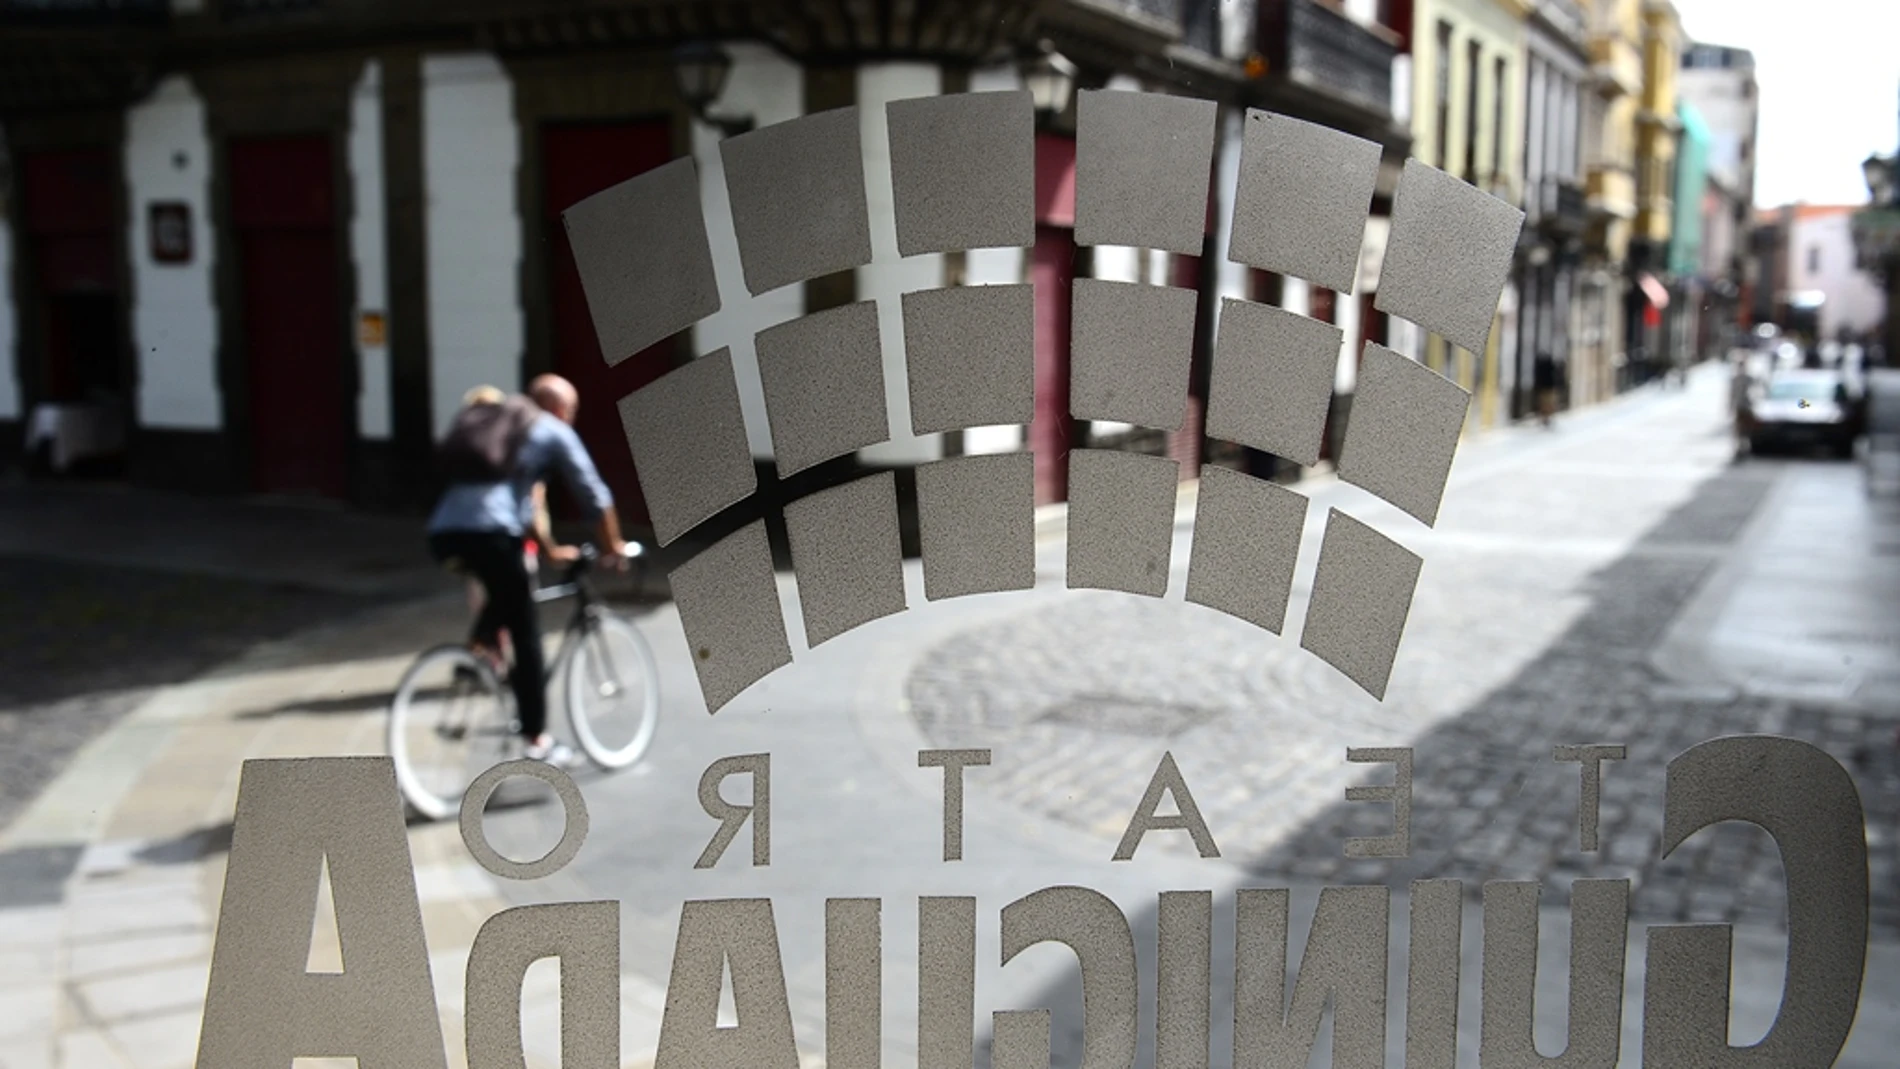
{"points": [[1617, 580], [1607, 582]]}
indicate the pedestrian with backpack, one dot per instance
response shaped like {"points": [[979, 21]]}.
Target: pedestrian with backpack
{"points": [[493, 457]]}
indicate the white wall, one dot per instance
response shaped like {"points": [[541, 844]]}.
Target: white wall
{"points": [[1854, 299], [174, 318], [367, 248], [1237, 20], [1728, 109], [984, 267], [9, 334], [770, 89], [888, 276], [471, 148]]}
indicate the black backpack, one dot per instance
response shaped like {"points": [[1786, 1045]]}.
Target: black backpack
{"points": [[483, 442]]}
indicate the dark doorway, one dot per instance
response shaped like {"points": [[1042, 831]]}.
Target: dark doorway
{"points": [[283, 212], [75, 374], [579, 160], [68, 199]]}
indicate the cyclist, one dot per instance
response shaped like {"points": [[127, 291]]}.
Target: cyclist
{"points": [[480, 525]]}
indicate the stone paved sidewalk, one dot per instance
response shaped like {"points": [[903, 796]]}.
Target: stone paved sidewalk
{"points": [[110, 972]]}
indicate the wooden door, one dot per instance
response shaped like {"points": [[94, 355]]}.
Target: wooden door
{"points": [[579, 160], [1052, 272], [283, 213]]}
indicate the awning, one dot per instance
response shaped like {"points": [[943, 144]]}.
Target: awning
{"points": [[1654, 290]]}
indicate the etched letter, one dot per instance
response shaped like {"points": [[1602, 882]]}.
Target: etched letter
{"points": [[1804, 799], [1093, 926], [1599, 934], [1590, 803], [946, 982], [1184, 934], [586, 937], [740, 933], [1019, 1039], [731, 816], [1166, 778], [854, 983], [1432, 974], [1345, 957], [953, 763], [261, 1007], [1399, 793]]}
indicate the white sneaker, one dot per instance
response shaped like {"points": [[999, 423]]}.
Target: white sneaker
{"points": [[554, 753]]}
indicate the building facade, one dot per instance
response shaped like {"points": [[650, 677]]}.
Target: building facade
{"points": [[277, 242], [1658, 133], [1610, 197], [1822, 261], [1467, 101], [1719, 82], [1550, 253], [1692, 287]]}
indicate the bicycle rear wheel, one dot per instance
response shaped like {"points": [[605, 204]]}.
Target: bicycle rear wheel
{"points": [[448, 723], [613, 691]]}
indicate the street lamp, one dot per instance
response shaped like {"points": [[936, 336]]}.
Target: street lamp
{"points": [[1050, 79], [700, 70]]}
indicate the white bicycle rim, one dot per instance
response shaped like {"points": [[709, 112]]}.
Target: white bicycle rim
{"points": [[438, 798], [630, 657]]}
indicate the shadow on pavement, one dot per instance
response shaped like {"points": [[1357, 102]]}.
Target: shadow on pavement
{"points": [[1490, 803]]}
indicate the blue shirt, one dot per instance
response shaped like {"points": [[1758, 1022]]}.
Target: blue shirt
{"points": [[508, 505]]}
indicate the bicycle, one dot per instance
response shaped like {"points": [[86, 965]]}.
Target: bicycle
{"points": [[473, 726]]}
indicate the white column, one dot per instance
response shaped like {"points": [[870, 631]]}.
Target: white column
{"points": [[1295, 295], [1229, 278], [1346, 311], [889, 276], [770, 89], [984, 267], [174, 320], [471, 149], [368, 249]]}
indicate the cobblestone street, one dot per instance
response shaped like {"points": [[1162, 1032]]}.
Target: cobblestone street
{"points": [[1489, 680]]}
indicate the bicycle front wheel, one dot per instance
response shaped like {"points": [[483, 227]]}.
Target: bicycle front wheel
{"points": [[448, 723], [613, 691]]}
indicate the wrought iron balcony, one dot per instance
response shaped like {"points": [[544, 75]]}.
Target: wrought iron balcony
{"points": [[1562, 206], [1318, 47]]}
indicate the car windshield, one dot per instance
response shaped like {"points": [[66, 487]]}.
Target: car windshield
{"points": [[1798, 389]]}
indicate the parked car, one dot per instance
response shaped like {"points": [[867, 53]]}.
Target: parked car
{"points": [[1798, 409]]}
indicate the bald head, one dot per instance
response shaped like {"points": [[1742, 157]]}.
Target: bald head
{"points": [[556, 395]]}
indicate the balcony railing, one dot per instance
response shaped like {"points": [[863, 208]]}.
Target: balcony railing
{"points": [[1562, 205], [1567, 16], [1319, 47], [1153, 14], [84, 12]]}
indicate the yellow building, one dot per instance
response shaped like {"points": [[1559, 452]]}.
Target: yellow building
{"points": [[1657, 131], [1610, 150], [1467, 120]]}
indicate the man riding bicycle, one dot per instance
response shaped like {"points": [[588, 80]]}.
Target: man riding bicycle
{"points": [[497, 456]]}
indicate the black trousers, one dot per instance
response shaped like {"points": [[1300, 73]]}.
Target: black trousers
{"points": [[495, 559]]}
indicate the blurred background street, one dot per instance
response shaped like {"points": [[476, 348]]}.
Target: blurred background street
{"points": [[1639, 585], [256, 254]]}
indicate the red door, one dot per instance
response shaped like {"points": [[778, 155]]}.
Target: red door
{"points": [[1052, 273], [283, 215], [578, 161]]}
